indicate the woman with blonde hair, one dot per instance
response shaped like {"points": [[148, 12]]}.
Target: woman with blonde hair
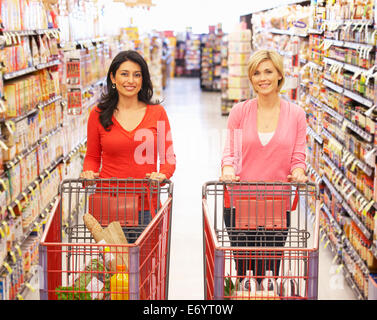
{"points": [[269, 145]]}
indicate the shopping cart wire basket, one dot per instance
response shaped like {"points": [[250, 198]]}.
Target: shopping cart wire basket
{"points": [[73, 265], [258, 240]]}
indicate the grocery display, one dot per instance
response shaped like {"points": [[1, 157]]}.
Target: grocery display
{"points": [[210, 59], [187, 54], [235, 80], [330, 63], [49, 84], [192, 56], [54, 57]]}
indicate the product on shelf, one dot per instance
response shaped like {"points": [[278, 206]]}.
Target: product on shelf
{"points": [[210, 61], [331, 57], [239, 51]]}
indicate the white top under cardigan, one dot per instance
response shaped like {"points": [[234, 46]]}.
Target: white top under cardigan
{"points": [[265, 137]]}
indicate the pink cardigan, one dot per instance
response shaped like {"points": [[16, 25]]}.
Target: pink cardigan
{"points": [[275, 161]]}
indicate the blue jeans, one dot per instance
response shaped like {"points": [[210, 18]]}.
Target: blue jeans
{"points": [[132, 233]]}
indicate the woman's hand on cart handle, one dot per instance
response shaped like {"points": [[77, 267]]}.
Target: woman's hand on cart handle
{"points": [[156, 176], [298, 175], [90, 175], [229, 175]]}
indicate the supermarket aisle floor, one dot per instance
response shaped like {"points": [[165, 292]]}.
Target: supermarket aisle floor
{"points": [[197, 128]]}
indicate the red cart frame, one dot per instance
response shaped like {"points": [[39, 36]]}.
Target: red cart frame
{"points": [[73, 266], [242, 258]]}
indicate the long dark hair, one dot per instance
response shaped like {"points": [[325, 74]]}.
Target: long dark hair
{"points": [[109, 99]]}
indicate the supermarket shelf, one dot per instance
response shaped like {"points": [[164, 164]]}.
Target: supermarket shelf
{"points": [[40, 105], [351, 22], [338, 256], [50, 208], [335, 224], [312, 171], [348, 44], [315, 135], [362, 165], [25, 287], [19, 73], [327, 109], [355, 217], [332, 189], [285, 32], [314, 31], [24, 153], [373, 248], [356, 256], [313, 65], [346, 66], [13, 37], [329, 244], [39, 219], [74, 151], [333, 86], [348, 276], [34, 184], [358, 98], [348, 93], [365, 135], [30, 32]]}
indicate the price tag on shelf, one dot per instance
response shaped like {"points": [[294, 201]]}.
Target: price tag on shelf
{"points": [[339, 268], [30, 287], [13, 256], [48, 173], [7, 266], [2, 235], [3, 145], [335, 258], [6, 227], [10, 209], [354, 164], [37, 227], [31, 189], [18, 205], [3, 184], [25, 197], [369, 205], [17, 247], [10, 126], [326, 244]]}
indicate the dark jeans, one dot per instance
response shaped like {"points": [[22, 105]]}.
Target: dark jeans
{"points": [[132, 233], [248, 260]]}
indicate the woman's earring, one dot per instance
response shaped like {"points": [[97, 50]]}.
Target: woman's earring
{"points": [[114, 86]]}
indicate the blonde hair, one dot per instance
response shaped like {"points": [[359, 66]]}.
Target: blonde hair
{"points": [[263, 55]]}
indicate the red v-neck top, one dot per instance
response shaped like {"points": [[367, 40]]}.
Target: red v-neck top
{"points": [[119, 153]]}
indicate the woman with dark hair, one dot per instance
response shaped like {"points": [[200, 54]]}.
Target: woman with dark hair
{"points": [[127, 133]]}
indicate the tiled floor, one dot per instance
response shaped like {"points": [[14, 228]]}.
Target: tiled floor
{"points": [[197, 127]]}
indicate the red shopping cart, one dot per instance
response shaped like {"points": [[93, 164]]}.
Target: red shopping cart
{"points": [[74, 266], [258, 242]]}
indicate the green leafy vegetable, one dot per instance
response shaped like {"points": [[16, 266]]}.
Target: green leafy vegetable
{"points": [[78, 291]]}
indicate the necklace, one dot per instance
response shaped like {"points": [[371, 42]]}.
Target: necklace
{"points": [[267, 121]]}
